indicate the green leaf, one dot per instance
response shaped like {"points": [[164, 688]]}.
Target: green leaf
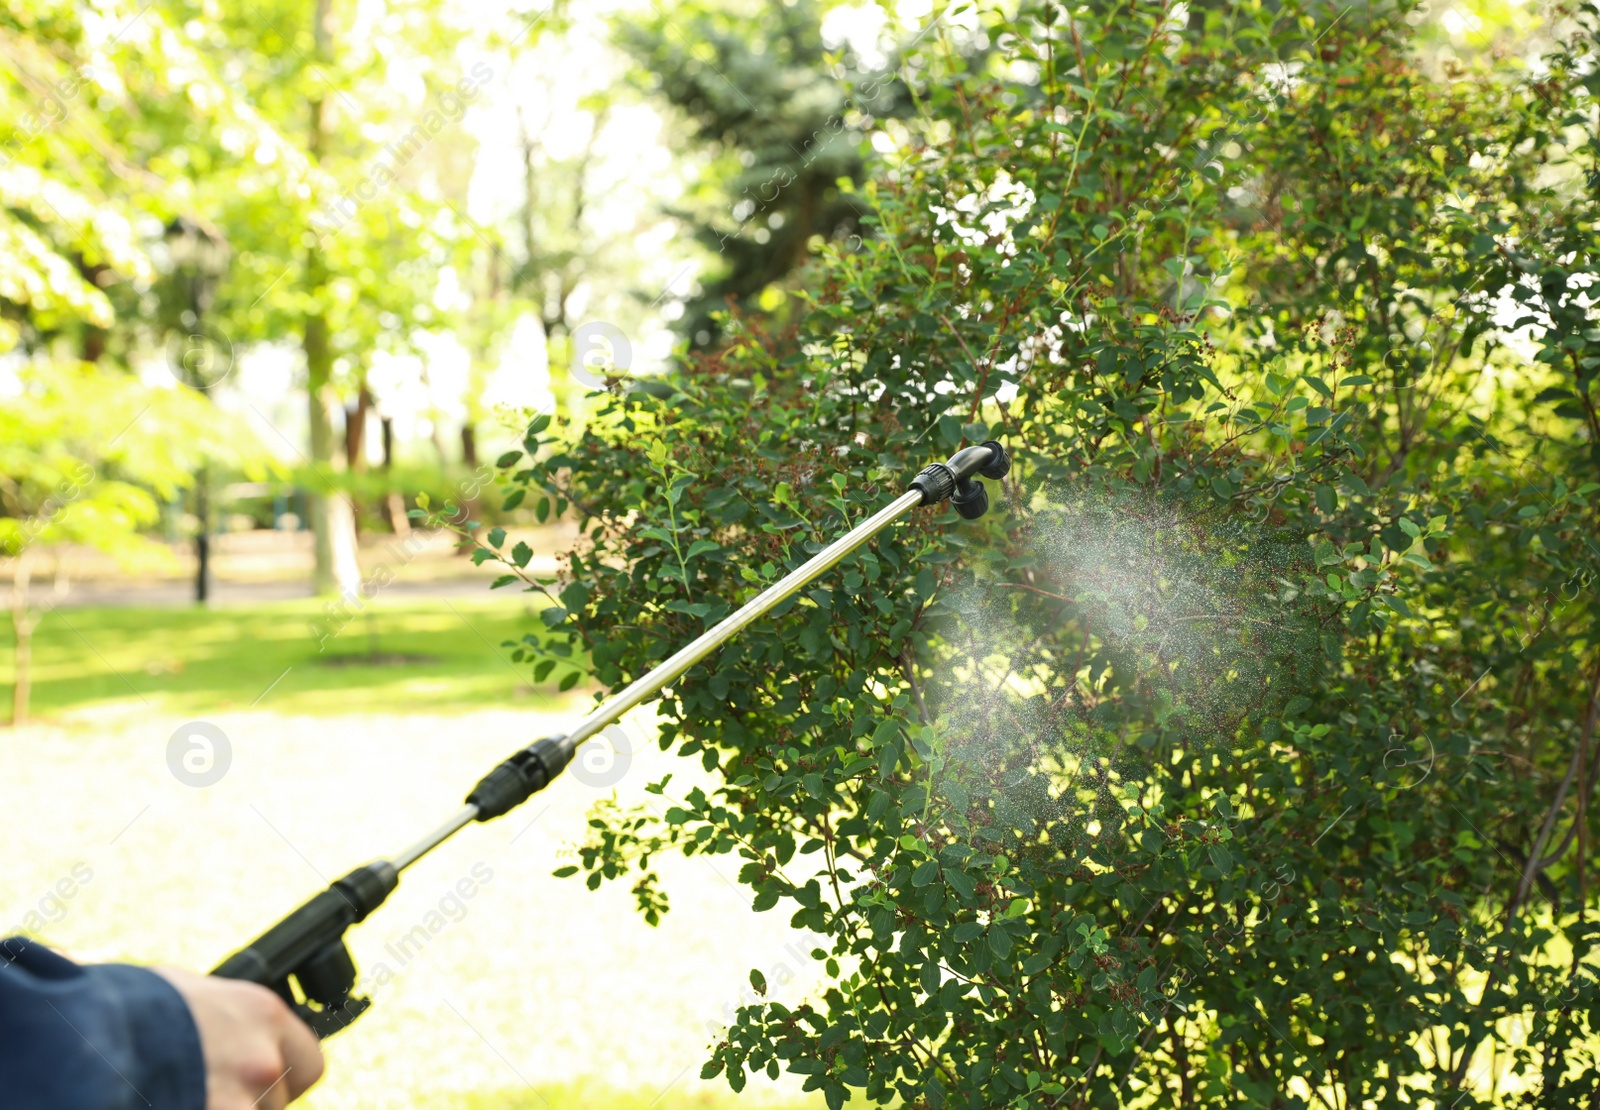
{"points": [[575, 596], [950, 431]]}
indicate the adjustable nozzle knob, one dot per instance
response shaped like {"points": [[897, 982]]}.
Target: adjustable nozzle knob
{"points": [[970, 499], [1001, 466]]}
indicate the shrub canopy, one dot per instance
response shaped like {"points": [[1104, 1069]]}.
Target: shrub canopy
{"points": [[1243, 754]]}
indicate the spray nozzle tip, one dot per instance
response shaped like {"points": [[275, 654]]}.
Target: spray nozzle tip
{"points": [[970, 499], [1000, 465]]}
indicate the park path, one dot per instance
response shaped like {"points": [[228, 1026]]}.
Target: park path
{"points": [[526, 980], [180, 594], [250, 568]]}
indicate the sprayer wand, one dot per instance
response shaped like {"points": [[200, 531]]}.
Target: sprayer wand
{"points": [[306, 950]]}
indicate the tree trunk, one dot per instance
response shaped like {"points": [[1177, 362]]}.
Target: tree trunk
{"points": [[355, 445], [355, 430], [22, 623], [202, 538], [393, 503], [332, 521], [469, 455], [94, 339], [395, 506]]}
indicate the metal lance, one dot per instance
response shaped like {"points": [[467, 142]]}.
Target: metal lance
{"points": [[304, 957]]}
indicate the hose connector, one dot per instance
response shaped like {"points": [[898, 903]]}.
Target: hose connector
{"points": [[936, 483], [519, 778]]}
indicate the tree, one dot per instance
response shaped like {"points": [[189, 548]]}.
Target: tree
{"points": [[566, 225], [64, 240], [87, 457], [332, 518], [1244, 754], [338, 154], [782, 120], [88, 452]]}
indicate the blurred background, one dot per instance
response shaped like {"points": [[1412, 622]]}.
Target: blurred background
{"points": [[279, 282]]}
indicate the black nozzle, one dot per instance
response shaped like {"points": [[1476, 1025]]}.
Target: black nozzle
{"points": [[1000, 465], [970, 499], [954, 479]]}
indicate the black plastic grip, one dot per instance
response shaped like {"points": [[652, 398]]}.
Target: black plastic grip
{"points": [[520, 777], [276, 952], [320, 921], [307, 948]]}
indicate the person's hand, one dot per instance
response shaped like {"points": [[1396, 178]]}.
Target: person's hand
{"points": [[258, 1055]]}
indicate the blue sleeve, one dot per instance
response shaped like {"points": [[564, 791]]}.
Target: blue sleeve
{"points": [[102, 1037]]}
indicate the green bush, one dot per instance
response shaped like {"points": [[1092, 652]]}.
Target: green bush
{"points": [[1243, 755]]}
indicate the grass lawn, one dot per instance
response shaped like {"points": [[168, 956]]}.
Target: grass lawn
{"points": [[431, 655], [633, 1000]]}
